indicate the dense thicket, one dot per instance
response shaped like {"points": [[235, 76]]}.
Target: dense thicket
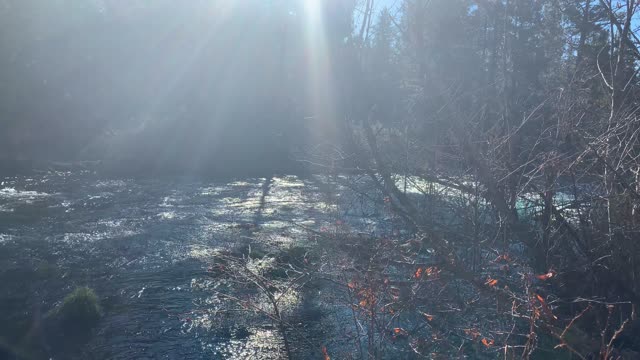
{"points": [[532, 100], [531, 108]]}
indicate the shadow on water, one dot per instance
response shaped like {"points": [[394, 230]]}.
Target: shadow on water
{"points": [[266, 186]]}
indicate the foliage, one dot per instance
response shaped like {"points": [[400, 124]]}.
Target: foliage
{"points": [[527, 112], [79, 311]]}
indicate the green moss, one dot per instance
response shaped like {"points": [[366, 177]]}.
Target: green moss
{"points": [[79, 310]]}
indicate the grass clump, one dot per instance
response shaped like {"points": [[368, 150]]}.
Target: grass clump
{"points": [[79, 310]]}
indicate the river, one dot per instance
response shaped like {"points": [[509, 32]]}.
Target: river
{"points": [[144, 246]]}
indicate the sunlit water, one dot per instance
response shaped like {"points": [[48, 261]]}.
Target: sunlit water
{"points": [[144, 246]]}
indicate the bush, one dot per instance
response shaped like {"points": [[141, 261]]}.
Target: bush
{"points": [[79, 310]]}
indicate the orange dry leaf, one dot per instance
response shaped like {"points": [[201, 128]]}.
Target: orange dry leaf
{"points": [[428, 316], [325, 353], [536, 312], [545, 307], [418, 273], [472, 332], [491, 282], [546, 276], [431, 270], [486, 342], [351, 285], [400, 332]]}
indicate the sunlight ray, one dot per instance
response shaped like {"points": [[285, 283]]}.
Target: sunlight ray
{"points": [[319, 70]]}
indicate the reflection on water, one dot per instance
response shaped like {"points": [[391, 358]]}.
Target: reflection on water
{"points": [[144, 246], [5, 238], [260, 344], [20, 194]]}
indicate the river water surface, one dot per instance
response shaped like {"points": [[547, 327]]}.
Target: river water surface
{"points": [[144, 246]]}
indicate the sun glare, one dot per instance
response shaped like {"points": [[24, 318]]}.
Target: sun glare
{"points": [[319, 70]]}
